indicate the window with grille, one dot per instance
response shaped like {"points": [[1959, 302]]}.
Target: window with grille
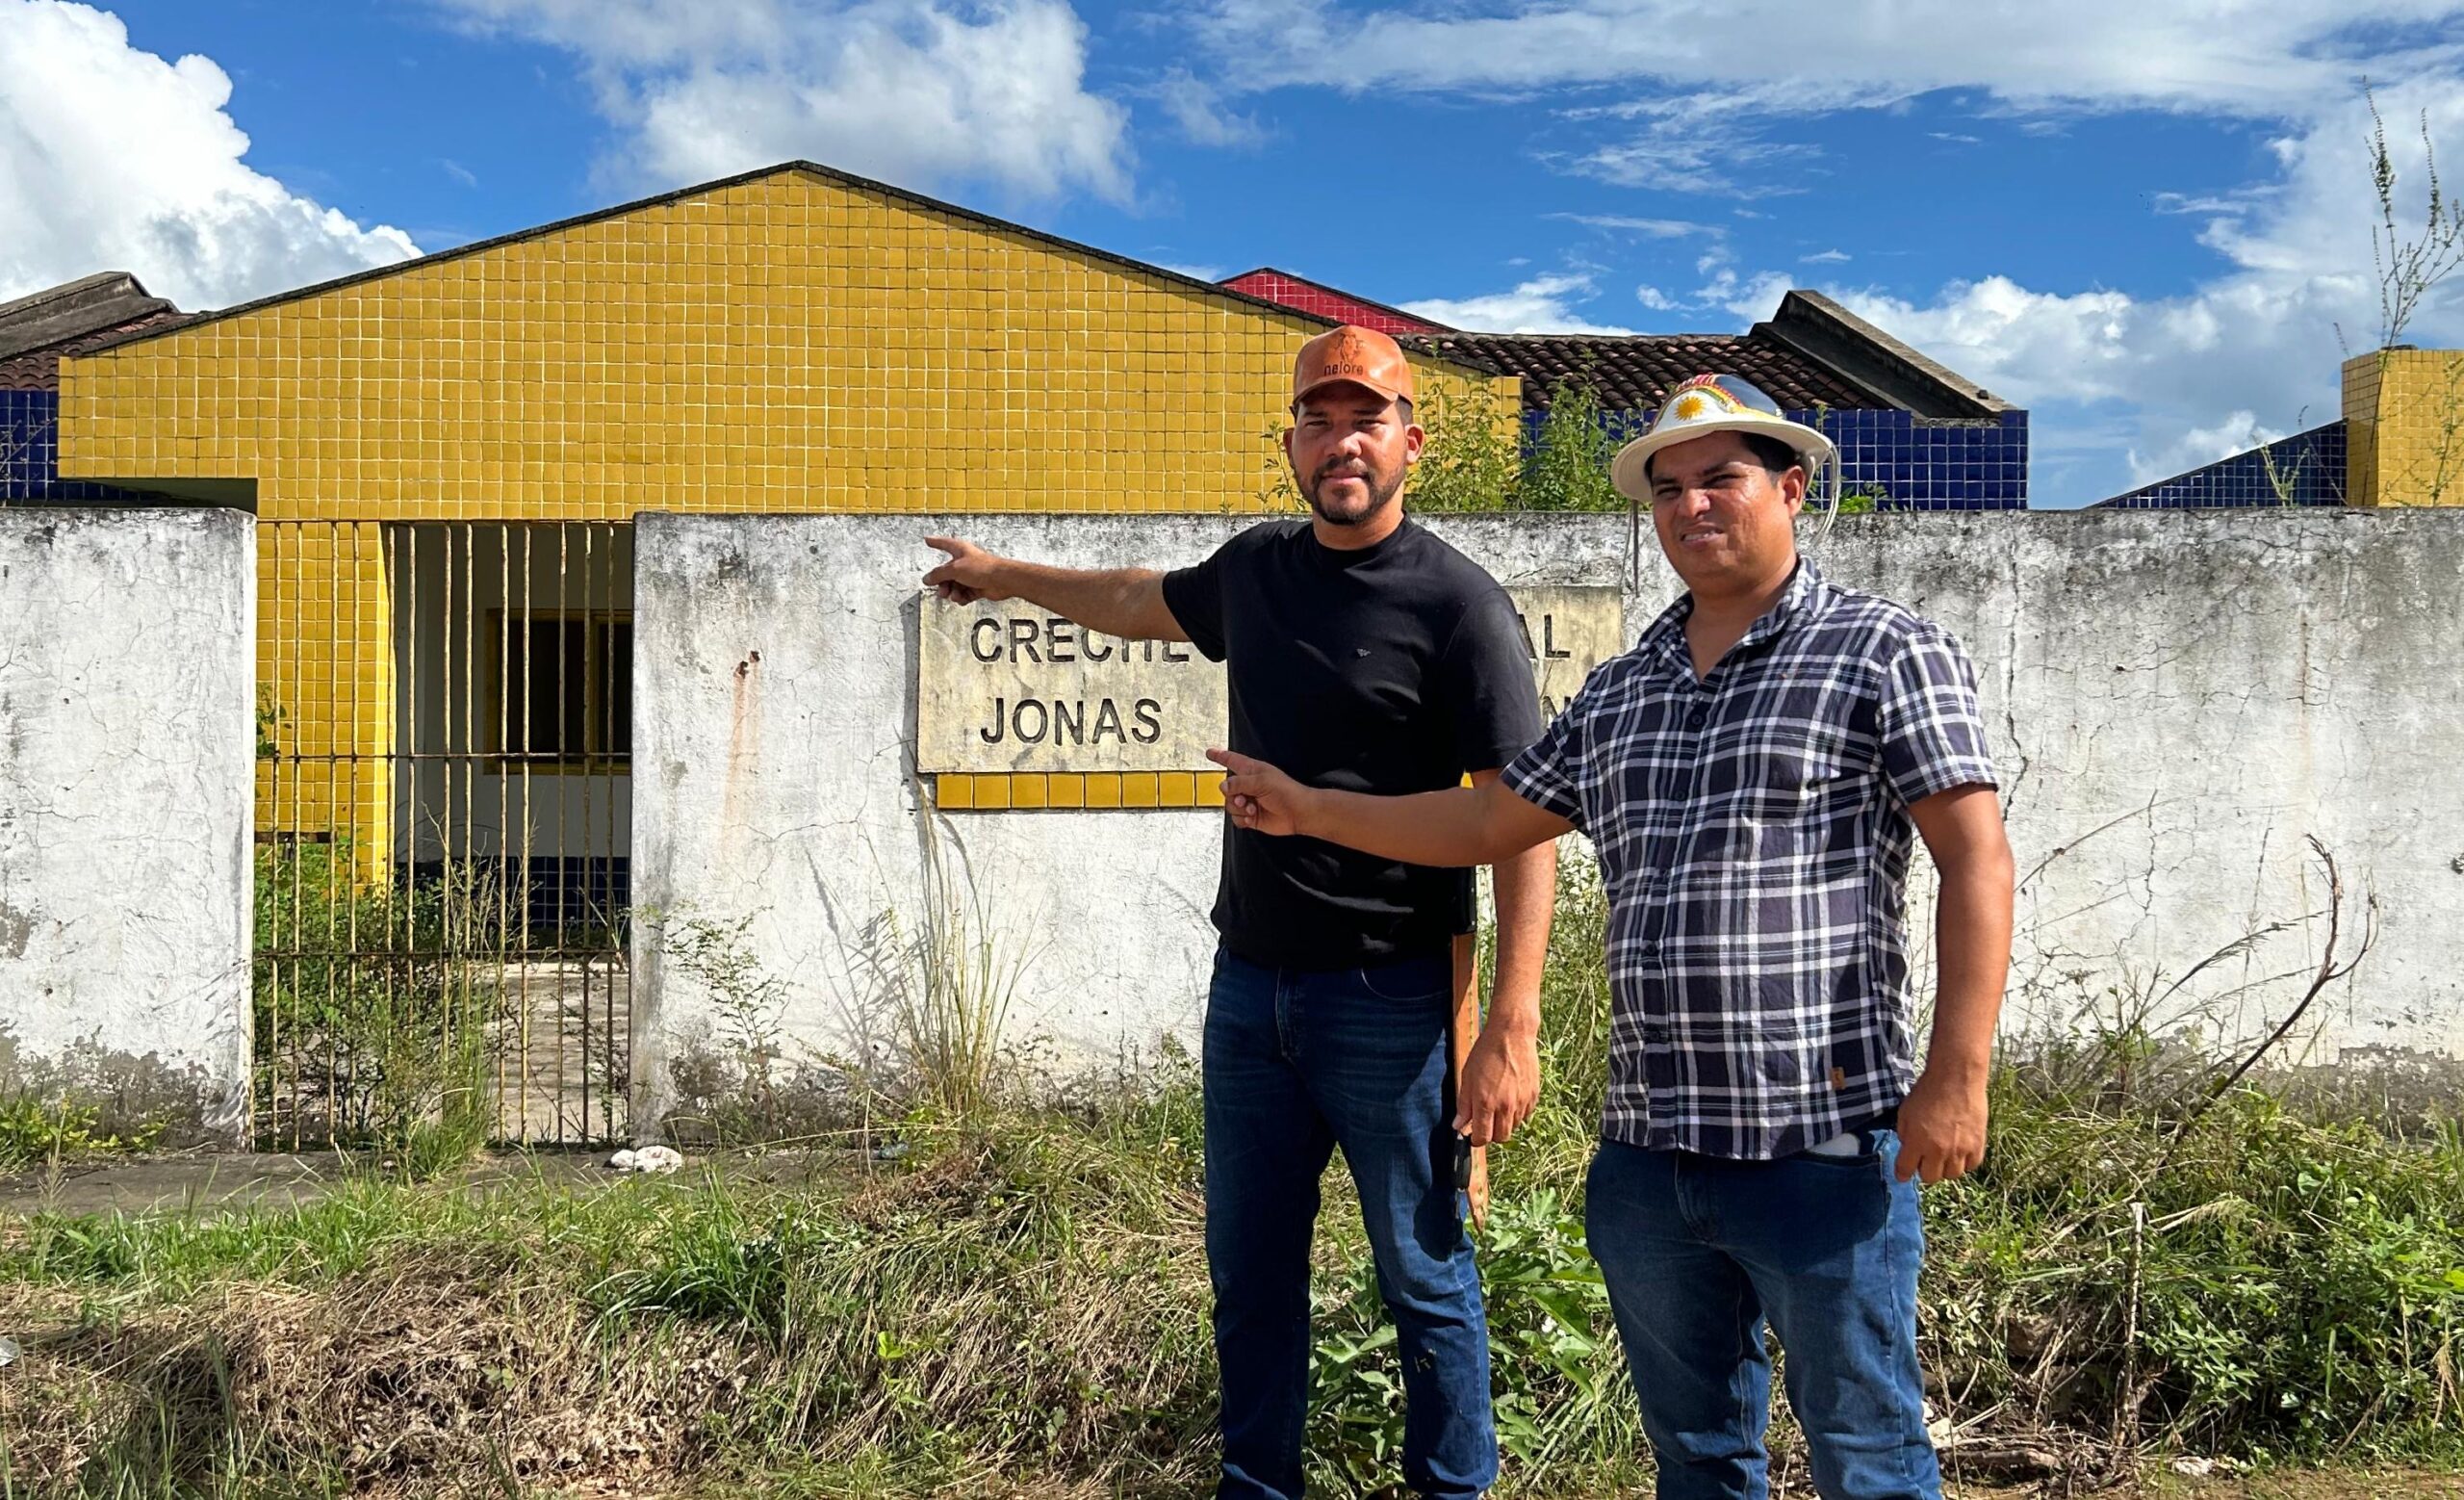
{"points": [[564, 688]]}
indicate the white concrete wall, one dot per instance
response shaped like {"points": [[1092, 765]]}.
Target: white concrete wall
{"points": [[127, 667], [2180, 700], [2177, 700]]}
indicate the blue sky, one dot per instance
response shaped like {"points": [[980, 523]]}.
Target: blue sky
{"points": [[2145, 220]]}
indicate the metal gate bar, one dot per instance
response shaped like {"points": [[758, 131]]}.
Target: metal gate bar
{"points": [[444, 816]]}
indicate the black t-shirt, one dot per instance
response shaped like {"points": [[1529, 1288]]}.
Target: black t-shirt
{"points": [[1391, 669]]}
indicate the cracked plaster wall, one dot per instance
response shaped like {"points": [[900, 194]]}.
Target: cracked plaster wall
{"points": [[127, 741], [2176, 700]]}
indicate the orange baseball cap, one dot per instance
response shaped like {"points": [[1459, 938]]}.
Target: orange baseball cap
{"points": [[1357, 355]]}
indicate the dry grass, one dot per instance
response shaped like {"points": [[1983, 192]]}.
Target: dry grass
{"points": [[1018, 1307], [930, 1330]]}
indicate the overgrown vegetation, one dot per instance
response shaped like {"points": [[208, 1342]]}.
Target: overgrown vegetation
{"points": [[941, 979], [371, 1021], [1019, 1304], [2410, 266], [1565, 465], [1478, 456], [47, 1126]]}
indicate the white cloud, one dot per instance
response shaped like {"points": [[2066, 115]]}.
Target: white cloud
{"points": [[1656, 300], [1831, 257], [2239, 432], [1647, 228], [2122, 383], [1193, 273], [112, 159], [919, 92], [2201, 203], [1198, 109], [1955, 137], [2258, 348], [1740, 297], [1707, 145], [1702, 108], [1542, 304], [2260, 56]]}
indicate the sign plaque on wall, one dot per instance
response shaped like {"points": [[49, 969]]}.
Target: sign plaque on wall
{"points": [[1009, 687]]}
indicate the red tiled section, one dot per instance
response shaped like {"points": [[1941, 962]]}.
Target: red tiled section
{"points": [[38, 369], [1325, 301], [1636, 373]]}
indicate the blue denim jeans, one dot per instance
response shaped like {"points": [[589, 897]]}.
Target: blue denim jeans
{"points": [[1295, 1064], [1699, 1253]]}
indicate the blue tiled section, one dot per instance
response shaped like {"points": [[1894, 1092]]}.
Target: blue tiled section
{"points": [[30, 454], [1910, 462], [1904, 461], [561, 894], [2305, 469]]}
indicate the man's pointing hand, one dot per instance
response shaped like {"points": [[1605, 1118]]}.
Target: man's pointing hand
{"points": [[968, 576], [1258, 796]]}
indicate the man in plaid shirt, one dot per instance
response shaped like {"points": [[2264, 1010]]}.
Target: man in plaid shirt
{"points": [[1754, 773]]}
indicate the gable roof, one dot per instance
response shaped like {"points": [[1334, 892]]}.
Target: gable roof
{"points": [[1302, 294], [1811, 352], [816, 169], [1635, 372], [1863, 354], [71, 319]]}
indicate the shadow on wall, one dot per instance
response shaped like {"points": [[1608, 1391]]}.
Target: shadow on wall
{"points": [[2278, 984], [109, 1099], [923, 1001]]}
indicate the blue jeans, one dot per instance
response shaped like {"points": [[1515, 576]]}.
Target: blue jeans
{"points": [[1698, 1252], [1295, 1064]]}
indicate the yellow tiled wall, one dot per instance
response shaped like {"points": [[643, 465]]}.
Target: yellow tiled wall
{"points": [[2405, 428], [795, 342], [790, 343], [325, 686]]}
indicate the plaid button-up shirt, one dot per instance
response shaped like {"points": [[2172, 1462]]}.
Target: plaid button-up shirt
{"points": [[1754, 832]]}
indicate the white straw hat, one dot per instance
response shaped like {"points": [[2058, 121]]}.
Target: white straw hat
{"points": [[1709, 403]]}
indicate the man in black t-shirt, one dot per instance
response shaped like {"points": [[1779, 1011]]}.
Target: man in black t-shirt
{"points": [[1367, 654]]}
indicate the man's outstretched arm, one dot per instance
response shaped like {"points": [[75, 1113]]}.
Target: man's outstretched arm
{"points": [[1483, 824], [1126, 603]]}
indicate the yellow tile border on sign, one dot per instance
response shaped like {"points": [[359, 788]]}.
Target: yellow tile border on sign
{"points": [[1071, 792]]}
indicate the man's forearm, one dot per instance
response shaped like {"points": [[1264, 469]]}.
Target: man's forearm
{"points": [[1115, 602], [1525, 891], [1973, 953], [1440, 828]]}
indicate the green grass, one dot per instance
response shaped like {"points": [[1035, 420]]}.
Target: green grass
{"points": [[1021, 1301], [43, 1125]]}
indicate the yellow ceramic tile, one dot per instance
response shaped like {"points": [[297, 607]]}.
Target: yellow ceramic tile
{"points": [[729, 352], [540, 348], [1140, 789], [954, 792], [1210, 790], [1026, 791]]}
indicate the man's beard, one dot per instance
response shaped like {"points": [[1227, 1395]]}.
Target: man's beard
{"points": [[1380, 491]]}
